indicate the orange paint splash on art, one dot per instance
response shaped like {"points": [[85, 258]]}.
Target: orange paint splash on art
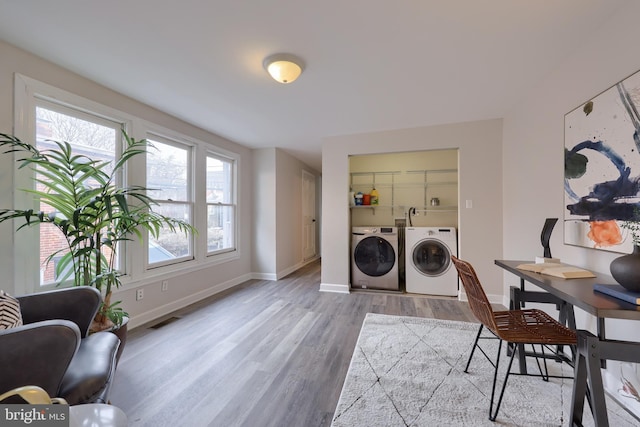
{"points": [[605, 233]]}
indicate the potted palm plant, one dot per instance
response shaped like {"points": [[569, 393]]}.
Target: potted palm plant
{"points": [[92, 211]]}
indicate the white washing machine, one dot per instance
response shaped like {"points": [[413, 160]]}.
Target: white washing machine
{"points": [[428, 265], [374, 258]]}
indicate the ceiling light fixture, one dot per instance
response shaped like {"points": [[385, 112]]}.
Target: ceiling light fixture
{"points": [[283, 67]]}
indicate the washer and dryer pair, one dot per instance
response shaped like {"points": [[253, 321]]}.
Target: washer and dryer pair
{"points": [[428, 250]]}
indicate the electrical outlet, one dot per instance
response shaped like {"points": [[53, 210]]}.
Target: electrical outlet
{"points": [[165, 285], [139, 294]]}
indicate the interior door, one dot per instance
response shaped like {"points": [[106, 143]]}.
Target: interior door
{"points": [[308, 215]]}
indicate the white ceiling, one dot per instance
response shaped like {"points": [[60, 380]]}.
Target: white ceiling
{"points": [[371, 65]]}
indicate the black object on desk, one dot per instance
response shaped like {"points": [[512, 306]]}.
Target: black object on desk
{"points": [[545, 236]]}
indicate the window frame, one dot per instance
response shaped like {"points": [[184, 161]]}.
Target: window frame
{"points": [[169, 138], [233, 177], [29, 93], [40, 102]]}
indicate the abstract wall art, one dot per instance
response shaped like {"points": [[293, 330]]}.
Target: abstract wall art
{"points": [[602, 168]]}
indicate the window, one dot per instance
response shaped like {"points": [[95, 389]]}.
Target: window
{"points": [[221, 208], [89, 136], [191, 179], [169, 179]]}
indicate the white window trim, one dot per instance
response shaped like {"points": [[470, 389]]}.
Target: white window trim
{"points": [[190, 147], [234, 194], [200, 151], [26, 268], [27, 91]]}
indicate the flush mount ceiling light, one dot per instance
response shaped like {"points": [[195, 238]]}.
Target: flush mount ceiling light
{"points": [[283, 67]]}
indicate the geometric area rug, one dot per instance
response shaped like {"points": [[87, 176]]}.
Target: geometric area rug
{"points": [[409, 371]]}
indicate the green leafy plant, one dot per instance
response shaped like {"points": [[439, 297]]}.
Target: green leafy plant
{"points": [[633, 225], [93, 213], [634, 229]]}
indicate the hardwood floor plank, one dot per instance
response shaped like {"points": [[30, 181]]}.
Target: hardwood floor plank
{"points": [[265, 353]]}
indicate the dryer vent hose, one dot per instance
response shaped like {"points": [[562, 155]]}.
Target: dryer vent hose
{"points": [[412, 211]]}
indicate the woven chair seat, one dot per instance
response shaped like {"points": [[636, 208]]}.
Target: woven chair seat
{"points": [[531, 327]]}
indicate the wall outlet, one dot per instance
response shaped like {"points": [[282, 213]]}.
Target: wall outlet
{"points": [[139, 294], [165, 285]]}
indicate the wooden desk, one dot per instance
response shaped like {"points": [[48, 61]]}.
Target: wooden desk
{"points": [[592, 350], [578, 292]]}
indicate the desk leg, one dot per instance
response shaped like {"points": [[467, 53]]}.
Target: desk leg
{"points": [[515, 303], [601, 331], [601, 336], [591, 352], [587, 372], [566, 315], [579, 387]]}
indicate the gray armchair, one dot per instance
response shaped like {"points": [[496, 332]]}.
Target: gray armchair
{"points": [[53, 349]]}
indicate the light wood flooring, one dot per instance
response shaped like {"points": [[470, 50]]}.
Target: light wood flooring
{"points": [[264, 353]]}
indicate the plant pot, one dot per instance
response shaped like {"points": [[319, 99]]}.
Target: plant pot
{"points": [[626, 270], [121, 332]]}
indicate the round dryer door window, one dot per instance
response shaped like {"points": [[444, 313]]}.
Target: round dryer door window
{"points": [[431, 257], [374, 256]]}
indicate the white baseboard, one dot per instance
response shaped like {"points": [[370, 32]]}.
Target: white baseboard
{"points": [[493, 299], [328, 287], [264, 276], [163, 310], [289, 270], [284, 273]]}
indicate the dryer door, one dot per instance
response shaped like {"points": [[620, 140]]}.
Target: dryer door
{"points": [[431, 257], [374, 256]]}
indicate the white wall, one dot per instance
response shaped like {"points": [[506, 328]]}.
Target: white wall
{"points": [[480, 174], [534, 142], [263, 246], [183, 288], [277, 247]]}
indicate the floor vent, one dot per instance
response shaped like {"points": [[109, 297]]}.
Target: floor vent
{"points": [[165, 322]]}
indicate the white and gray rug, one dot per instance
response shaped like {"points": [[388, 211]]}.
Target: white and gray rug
{"points": [[408, 371]]}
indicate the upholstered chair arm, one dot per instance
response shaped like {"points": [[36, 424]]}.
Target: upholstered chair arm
{"points": [[37, 354], [78, 304], [91, 372]]}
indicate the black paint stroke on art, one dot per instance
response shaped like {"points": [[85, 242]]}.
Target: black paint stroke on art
{"points": [[608, 200]]}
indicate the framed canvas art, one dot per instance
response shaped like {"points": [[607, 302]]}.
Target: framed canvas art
{"points": [[602, 168]]}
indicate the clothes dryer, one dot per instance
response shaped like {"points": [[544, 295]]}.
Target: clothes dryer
{"points": [[428, 265], [374, 258]]}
